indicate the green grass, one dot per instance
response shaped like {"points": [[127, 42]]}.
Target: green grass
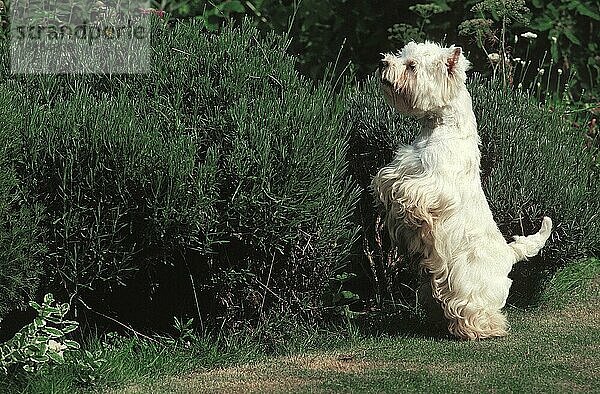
{"points": [[571, 283], [547, 351], [554, 348]]}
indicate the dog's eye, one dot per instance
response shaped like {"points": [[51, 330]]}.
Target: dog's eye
{"points": [[411, 66]]}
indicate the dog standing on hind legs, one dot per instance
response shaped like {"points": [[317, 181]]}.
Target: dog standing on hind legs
{"points": [[433, 197]]}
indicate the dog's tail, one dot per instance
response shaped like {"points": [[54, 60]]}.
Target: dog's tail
{"points": [[529, 246]]}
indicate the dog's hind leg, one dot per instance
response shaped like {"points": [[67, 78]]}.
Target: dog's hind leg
{"points": [[529, 246], [478, 324]]}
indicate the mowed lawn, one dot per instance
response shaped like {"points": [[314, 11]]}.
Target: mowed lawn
{"points": [[547, 351]]}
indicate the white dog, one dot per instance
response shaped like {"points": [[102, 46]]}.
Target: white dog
{"points": [[433, 196]]}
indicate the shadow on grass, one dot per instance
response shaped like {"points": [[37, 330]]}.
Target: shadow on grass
{"points": [[414, 323]]}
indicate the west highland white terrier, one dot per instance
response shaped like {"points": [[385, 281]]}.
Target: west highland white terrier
{"points": [[433, 197]]}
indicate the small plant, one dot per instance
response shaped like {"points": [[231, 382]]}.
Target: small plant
{"points": [[488, 13], [339, 298], [570, 27], [568, 71], [185, 332], [41, 342], [87, 365], [404, 32]]}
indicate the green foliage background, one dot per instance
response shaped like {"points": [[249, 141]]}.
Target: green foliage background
{"points": [[230, 187], [330, 31]]}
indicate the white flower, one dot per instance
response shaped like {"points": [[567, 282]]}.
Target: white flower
{"points": [[517, 59], [541, 71], [553, 39], [522, 62], [516, 38], [559, 71], [494, 57], [56, 346], [520, 86], [529, 35]]}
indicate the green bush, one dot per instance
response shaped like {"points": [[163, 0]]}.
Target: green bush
{"points": [[20, 249], [119, 187], [224, 166], [534, 163], [285, 200]]}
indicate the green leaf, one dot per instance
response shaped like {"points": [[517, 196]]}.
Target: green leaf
{"points": [[348, 295], [572, 37], [64, 308], [69, 328], [49, 310], [48, 298], [53, 332], [232, 6], [56, 357], [582, 9], [72, 345], [39, 358], [43, 348], [542, 23], [344, 277], [38, 322], [54, 319]]}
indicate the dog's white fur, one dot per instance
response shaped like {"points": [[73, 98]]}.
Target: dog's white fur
{"points": [[433, 197]]}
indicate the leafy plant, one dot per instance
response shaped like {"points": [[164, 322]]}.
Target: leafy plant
{"points": [[338, 297], [569, 27], [505, 12], [403, 33], [44, 341], [185, 334]]}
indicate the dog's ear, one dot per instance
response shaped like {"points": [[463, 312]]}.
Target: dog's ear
{"points": [[452, 61]]}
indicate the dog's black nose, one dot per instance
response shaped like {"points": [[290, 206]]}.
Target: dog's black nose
{"points": [[383, 64]]}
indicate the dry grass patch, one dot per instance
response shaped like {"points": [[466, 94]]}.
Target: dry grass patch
{"points": [[244, 379], [340, 363]]}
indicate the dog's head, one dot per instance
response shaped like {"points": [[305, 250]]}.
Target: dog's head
{"points": [[423, 78]]}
